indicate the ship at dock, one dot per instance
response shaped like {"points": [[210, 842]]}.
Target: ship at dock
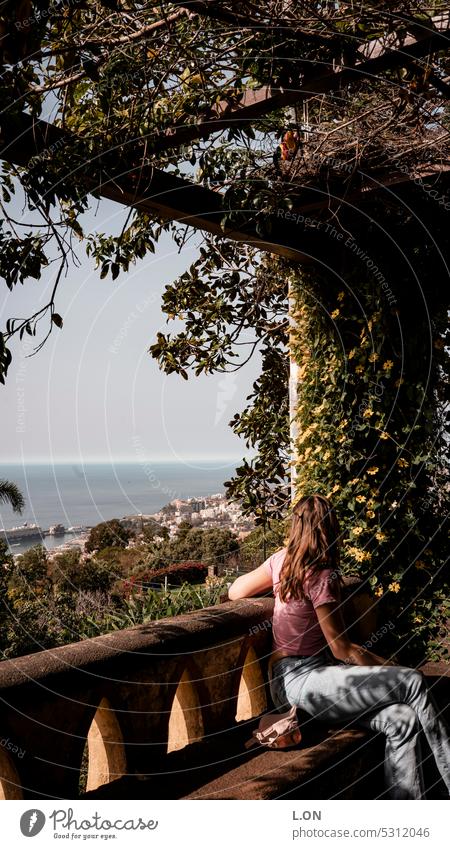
{"points": [[56, 530], [21, 532]]}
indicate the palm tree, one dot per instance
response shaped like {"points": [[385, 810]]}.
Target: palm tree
{"points": [[11, 494]]}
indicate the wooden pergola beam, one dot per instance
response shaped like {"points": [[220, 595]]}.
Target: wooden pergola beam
{"points": [[377, 56], [147, 188], [170, 197], [215, 10]]}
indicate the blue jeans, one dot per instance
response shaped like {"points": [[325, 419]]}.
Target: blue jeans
{"points": [[392, 699]]}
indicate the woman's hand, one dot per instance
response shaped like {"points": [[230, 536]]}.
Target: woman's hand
{"points": [[253, 583]]}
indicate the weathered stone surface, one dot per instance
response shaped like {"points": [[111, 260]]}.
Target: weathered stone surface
{"points": [[160, 706]]}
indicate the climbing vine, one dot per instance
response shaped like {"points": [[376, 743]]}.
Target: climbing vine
{"points": [[372, 415]]}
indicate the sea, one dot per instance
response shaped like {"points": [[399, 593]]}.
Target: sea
{"points": [[85, 494]]}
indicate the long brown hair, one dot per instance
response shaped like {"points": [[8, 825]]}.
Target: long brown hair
{"points": [[313, 543]]}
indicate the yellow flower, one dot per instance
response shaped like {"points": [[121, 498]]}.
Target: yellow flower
{"points": [[367, 413], [394, 504], [388, 365], [402, 463], [418, 619], [359, 369], [361, 498], [341, 296], [373, 470], [344, 422], [352, 353], [379, 591], [357, 531], [380, 536], [336, 487], [357, 554], [384, 435], [370, 324], [394, 587], [304, 435], [373, 357], [335, 313], [370, 514], [342, 438], [355, 480]]}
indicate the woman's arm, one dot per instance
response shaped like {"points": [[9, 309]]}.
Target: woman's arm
{"points": [[253, 583], [332, 624]]}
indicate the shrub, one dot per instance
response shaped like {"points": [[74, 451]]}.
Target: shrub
{"points": [[64, 568], [190, 571], [106, 535], [151, 605]]}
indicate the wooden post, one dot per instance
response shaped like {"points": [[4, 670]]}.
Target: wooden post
{"points": [[293, 366], [293, 396]]}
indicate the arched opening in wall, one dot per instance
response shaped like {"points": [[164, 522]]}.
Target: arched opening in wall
{"points": [[186, 720], [104, 755], [10, 787], [251, 699]]}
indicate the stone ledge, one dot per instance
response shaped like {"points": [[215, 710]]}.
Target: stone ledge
{"points": [[337, 763], [155, 640], [330, 768], [332, 765], [177, 697]]}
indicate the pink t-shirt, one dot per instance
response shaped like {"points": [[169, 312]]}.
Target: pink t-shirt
{"points": [[295, 626]]}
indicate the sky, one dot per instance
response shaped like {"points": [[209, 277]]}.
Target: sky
{"points": [[94, 393]]}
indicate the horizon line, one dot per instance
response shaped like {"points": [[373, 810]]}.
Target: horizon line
{"points": [[49, 461]]}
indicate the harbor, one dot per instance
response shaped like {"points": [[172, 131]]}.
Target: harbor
{"points": [[207, 512], [22, 537]]}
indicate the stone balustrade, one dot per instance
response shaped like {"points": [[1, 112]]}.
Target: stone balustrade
{"points": [[123, 703]]}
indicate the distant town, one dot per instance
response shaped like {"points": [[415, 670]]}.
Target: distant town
{"points": [[209, 511]]}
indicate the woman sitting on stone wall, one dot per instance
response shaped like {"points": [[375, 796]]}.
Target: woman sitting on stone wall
{"points": [[317, 668]]}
